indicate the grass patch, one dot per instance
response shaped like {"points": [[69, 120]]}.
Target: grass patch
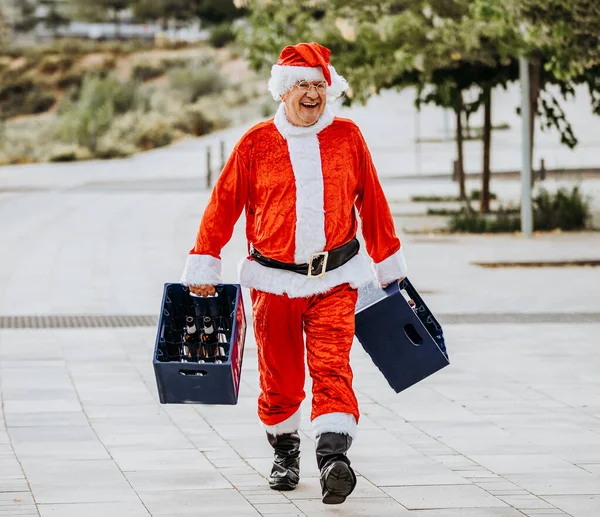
{"points": [[459, 211], [474, 195]]}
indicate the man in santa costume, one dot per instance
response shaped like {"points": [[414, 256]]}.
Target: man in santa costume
{"points": [[300, 177]]}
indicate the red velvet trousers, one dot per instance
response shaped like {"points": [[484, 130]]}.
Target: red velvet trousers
{"points": [[280, 323]]}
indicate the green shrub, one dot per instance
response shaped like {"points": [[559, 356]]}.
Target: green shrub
{"points": [[174, 62], [71, 79], [221, 35], [193, 121], [109, 148], [4, 64], [56, 63], [144, 71], [24, 97], [134, 131], [469, 221], [194, 82], [100, 100], [476, 195], [565, 210], [14, 88], [68, 153], [25, 140], [38, 100], [152, 131]]}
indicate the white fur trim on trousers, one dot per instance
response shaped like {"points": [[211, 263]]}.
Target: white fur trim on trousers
{"points": [[289, 425], [392, 268], [201, 269], [342, 423]]}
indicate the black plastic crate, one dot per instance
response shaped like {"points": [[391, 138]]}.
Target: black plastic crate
{"points": [[191, 371], [405, 342]]}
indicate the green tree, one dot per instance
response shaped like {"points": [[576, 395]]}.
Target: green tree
{"points": [[217, 11], [56, 14], [165, 10], [445, 48], [391, 44]]}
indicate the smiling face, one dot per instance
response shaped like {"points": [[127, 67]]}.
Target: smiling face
{"points": [[304, 105]]}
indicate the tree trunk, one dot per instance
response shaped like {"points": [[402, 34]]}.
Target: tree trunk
{"points": [[534, 93], [487, 142], [459, 148]]}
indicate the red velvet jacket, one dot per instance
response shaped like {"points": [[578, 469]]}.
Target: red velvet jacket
{"points": [[299, 187]]}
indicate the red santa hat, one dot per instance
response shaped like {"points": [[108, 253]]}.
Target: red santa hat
{"points": [[305, 62]]}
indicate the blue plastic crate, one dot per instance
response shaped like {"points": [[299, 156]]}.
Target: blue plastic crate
{"points": [[406, 343], [180, 378]]}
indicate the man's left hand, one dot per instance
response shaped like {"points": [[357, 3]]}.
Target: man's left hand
{"points": [[383, 286]]}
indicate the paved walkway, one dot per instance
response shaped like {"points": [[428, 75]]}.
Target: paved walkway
{"points": [[511, 428]]}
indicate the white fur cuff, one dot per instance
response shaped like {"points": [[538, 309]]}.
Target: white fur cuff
{"points": [[289, 425], [201, 269], [392, 268], [343, 423]]}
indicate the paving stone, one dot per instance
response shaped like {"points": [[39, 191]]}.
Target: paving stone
{"points": [[559, 483], [94, 510], [354, 507], [277, 508], [146, 481], [223, 502], [577, 505], [166, 460], [459, 496], [468, 512]]}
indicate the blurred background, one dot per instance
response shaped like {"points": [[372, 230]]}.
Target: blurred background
{"points": [[434, 86]]}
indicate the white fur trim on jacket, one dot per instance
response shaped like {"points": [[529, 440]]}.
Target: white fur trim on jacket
{"points": [[356, 272], [342, 423], [310, 212], [284, 77], [201, 269], [392, 268], [289, 425]]}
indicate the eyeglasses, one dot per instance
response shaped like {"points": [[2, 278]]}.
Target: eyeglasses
{"points": [[305, 86]]}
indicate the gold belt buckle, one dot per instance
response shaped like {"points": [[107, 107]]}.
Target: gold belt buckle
{"points": [[323, 255]]}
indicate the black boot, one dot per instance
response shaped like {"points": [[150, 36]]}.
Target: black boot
{"points": [[285, 473], [337, 477]]}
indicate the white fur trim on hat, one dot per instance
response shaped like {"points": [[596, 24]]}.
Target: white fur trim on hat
{"points": [[201, 269], [283, 77], [342, 423], [392, 268], [289, 425]]}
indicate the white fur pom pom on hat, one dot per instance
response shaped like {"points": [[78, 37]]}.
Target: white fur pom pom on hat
{"points": [[305, 62]]}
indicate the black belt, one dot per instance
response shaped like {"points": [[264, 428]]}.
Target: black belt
{"points": [[320, 262]]}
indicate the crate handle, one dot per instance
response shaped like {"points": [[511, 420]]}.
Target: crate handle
{"points": [[412, 334], [199, 373]]}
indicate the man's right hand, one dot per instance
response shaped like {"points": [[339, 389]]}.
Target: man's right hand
{"points": [[203, 290]]}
